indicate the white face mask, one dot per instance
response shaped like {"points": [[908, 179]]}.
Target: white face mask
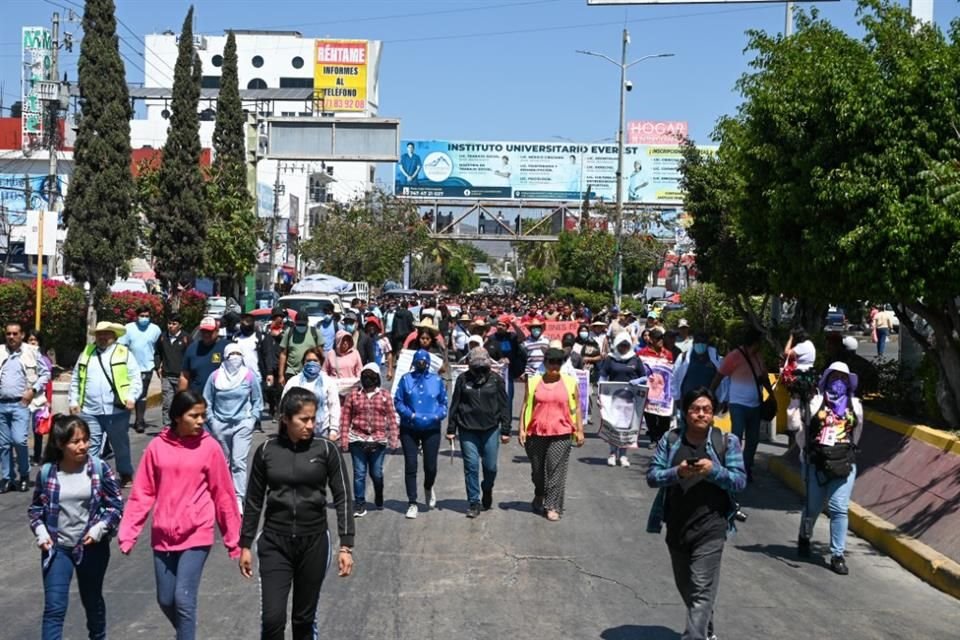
{"points": [[233, 363]]}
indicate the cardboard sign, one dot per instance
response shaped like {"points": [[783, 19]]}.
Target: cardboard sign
{"points": [[405, 365], [621, 412]]}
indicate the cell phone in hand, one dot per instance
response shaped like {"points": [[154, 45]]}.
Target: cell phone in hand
{"points": [[692, 461]]}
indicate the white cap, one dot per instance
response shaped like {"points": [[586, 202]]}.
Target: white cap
{"points": [[850, 343], [477, 340], [683, 323]]}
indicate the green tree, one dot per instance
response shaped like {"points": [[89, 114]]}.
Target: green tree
{"points": [[833, 178], [230, 250], [366, 239], [178, 216], [102, 232]]}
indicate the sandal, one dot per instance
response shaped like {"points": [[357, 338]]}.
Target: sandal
{"points": [[552, 515]]}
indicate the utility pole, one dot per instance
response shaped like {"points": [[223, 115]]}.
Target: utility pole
{"points": [[788, 24], [618, 216], [278, 189], [53, 129]]}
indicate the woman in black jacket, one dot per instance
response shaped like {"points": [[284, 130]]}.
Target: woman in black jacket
{"points": [[479, 412], [289, 476]]}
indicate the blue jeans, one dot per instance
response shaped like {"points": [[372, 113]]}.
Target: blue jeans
{"points": [[364, 460], [836, 493], [56, 590], [14, 427], [745, 424], [117, 428], [234, 439], [881, 341], [178, 581], [480, 449]]}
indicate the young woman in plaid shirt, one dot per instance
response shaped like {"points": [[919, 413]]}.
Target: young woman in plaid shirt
{"points": [[76, 508]]}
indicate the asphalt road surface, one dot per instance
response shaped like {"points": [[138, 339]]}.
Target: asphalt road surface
{"points": [[511, 574]]}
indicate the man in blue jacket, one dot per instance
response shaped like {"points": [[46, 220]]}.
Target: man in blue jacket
{"points": [[421, 401]]}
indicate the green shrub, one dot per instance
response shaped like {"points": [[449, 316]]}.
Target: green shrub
{"points": [[707, 309], [62, 317], [122, 307]]}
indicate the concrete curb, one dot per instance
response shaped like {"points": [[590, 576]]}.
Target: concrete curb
{"points": [[923, 561], [934, 437]]}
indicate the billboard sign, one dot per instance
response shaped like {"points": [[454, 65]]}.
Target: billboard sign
{"points": [[340, 75], [656, 132], [537, 171], [21, 193], [36, 75]]}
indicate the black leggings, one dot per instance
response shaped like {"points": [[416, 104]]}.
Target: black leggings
{"points": [[430, 440], [300, 562]]}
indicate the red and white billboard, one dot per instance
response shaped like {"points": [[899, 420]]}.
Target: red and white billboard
{"points": [[656, 132]]}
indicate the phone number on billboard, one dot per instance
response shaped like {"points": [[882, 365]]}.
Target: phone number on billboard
{"points": [[333, 104]]}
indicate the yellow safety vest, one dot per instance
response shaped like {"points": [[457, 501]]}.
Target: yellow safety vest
{"points": [[118, 370], [573, 396]]}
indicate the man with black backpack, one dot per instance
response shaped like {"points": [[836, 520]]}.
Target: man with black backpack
{"points": [[295, 343], [697, 469]]}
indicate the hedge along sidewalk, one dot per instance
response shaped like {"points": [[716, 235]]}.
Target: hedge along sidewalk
{"points": [[924, 561]]}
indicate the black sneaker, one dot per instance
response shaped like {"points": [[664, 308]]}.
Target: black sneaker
{"points": [[473, 511], [740, 516], [803, 547], [125, 481], [487, 499], [359, 511], [140, 428], [839, 565], [23, 486]]}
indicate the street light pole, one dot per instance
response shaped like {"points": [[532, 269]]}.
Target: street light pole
{"points": [[618, 221]]}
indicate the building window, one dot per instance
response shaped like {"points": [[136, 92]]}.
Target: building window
{"points": [[297, 62], [256, 83], [296, 83], [210, 82], [257, 61], [217, 60]]}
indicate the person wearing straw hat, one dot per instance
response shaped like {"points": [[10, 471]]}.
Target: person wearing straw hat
{"points": [[828, 443], [460, 335], [105, 385]]}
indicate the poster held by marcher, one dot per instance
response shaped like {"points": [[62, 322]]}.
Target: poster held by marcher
{"points": [[621, 412], [659, 377]]}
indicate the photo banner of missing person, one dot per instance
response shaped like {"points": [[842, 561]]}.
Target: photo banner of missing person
{"points": [[621, 412]]}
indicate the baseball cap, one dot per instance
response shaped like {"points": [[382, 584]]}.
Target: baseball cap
{"points": [[208, 324], [683, 323]]}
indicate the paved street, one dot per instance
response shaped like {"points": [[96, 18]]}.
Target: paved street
{"points": [[595, 574]]}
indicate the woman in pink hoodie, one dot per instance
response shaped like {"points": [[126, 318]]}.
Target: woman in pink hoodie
{"points": [[182, 472], [343, 361]]}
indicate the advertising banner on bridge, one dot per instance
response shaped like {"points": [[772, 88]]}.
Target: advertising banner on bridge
{"points": [[340, 75], [537, 171]]}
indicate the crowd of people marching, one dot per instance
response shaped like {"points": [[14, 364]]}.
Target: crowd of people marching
{"points": [[396, 374]]}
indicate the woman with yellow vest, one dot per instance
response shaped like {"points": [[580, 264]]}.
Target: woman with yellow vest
{"points": [[549, 425]]}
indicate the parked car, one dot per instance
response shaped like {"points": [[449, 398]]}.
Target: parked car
{"points": [[310, 303], [835, 320], [130, 284], [218, 306]]}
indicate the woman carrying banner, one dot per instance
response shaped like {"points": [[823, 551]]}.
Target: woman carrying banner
{"points": [[549, 423], [621, 365]]}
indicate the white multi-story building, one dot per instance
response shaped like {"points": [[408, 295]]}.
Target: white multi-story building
{"points": [[277, 72]]}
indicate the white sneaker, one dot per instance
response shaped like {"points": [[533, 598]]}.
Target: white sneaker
{"points": [[612, 460], [412, 512], [624, 461], [432, 502]]}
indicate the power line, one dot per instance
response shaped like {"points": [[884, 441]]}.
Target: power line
{"points": [[489, 34]]}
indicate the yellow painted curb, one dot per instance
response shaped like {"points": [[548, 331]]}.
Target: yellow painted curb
{"points": [[935, 437], [923, 561]]}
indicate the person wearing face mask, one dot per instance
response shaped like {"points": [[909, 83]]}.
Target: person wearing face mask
{"points": [[368, 426], [697, 367], [202, 357], [297, 340], [253, 345], [141, 338], [327, 325], [366, 345], [105, 384], [828, 443], [478, 413], [421, 402], [343, 361], [168, 361], [621, 365], [460, 335], [574, 359], [534, 348], [234, 403], [271, 364], [312, 378]]}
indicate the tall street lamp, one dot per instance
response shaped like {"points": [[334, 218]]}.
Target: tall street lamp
{"points": [[624, 87]]}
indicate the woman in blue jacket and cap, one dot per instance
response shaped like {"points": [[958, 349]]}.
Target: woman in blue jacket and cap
{"points": [[421, 401]]}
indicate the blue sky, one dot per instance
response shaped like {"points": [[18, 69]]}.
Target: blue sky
{"points": [[490, 69]]}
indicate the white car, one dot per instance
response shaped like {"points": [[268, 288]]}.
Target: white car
{"points": [[130, 284], [218, 306], [311, 303]]}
